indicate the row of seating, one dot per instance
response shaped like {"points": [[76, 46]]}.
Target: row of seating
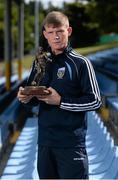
{"points": [[8, 120], [8, 96], [10, 108], [112, 104], [104, 56], [108, 87], [112, 66], [106, 67], [102, 153], [14, 77], [22, 161]]}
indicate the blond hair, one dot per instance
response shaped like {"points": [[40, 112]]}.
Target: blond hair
{"points": [[56, 18]]}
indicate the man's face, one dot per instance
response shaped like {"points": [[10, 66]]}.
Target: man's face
{"points": [[57, 37]]}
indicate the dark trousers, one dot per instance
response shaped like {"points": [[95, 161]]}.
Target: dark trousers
{"points": [[62, 163]]}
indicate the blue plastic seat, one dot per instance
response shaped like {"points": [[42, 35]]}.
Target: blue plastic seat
{"points": [[111, 172], [103, 163], [99, 157], [23, 155]]}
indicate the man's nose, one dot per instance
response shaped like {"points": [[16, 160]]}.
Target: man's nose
{"points": [[56, 35]]}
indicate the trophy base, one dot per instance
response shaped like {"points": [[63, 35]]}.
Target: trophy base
{"points": [[35, 90]]}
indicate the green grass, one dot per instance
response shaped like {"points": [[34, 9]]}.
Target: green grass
{"points": [[27, 61], [93, 49]]}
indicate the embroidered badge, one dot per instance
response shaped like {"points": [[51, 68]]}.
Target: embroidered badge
{"points": [[61, 72]]}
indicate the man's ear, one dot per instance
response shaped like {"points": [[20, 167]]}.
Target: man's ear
{"points": [[44, 33], [69, 31]]}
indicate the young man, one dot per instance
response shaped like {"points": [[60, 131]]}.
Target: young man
{"points": [[62, 114]]}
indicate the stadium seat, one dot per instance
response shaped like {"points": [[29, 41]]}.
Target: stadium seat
{"points": [[102, 153], [22, 161]]}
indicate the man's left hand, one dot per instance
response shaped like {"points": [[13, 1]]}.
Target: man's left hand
{"points": [[53, 98]]}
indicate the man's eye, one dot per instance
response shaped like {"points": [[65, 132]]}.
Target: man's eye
{"points": [[49, 32], [60, 31]]}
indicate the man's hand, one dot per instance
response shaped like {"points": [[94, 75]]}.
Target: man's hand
{"points": [[53, 98], [23, 98]]}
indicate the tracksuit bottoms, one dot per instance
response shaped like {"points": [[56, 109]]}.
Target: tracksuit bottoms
{"points": [[62, 163]]}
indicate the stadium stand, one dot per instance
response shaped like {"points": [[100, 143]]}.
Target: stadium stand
{"points": [[102, 153], [10, 111], [8, 96], [106, 68], [112, 103], [8, 119], [21, 164], [108, 87]]}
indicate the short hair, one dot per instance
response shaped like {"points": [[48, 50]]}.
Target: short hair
{"points": [[55, 18]]}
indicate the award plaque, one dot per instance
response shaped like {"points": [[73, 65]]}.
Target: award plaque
{"points": [[35, 90], [40, 63]]}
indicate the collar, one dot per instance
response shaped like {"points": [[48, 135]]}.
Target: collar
{"points": [[53, 56]]}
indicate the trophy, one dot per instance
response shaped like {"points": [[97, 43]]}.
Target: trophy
{"points": [[40, 63]]}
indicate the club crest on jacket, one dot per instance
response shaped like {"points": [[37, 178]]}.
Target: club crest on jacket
{"points": [[61, 72]]}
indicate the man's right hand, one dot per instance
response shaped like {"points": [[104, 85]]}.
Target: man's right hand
{"points": [[23, 98]]}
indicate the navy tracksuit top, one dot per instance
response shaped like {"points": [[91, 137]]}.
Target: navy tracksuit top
{"points": [[73, 77]]}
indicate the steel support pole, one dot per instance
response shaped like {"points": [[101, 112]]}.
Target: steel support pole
{"points": [[20, 38], [36, 24], [8, 43]]}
